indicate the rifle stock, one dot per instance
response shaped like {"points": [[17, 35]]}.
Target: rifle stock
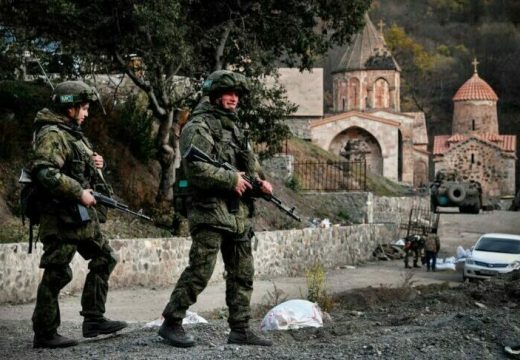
{"points": [[195, 154]]}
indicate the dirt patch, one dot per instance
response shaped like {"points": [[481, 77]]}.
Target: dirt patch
{"points": [[431, 321]]}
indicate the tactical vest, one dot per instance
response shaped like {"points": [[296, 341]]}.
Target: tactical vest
{"points": [[79, 165]]}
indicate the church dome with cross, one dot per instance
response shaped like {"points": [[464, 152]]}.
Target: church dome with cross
{"points": [[475, 148], [475, 107]]}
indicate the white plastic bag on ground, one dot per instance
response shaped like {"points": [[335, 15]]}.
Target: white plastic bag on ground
{"points": [[462, 253], [292, 314], [191, 318], [445, 266]]}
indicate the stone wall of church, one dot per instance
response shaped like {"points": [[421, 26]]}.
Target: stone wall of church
{"points": [[420, 169], [476, 160], [328, 136], [477, 116], [357, 90]]}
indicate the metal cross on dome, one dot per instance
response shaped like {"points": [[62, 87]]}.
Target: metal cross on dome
{"points": [[475, 63]]}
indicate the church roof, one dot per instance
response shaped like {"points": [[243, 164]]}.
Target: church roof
{"points": [[367, 51], [475, 89], [442, 143]]}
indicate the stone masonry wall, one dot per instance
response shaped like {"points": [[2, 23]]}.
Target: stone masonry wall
{"points": [[159, 262]]}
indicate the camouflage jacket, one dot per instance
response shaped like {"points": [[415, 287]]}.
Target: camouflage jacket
{"points": [[432, 243], [214, 131], [62, 165]]}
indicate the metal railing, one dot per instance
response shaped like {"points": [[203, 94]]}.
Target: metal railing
{"points": [[331, 175]]}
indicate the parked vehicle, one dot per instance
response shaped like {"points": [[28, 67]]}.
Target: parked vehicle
{"points": [[448, 191], [493, 254]]}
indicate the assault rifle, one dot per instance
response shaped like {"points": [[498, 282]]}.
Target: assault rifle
{"points": [[195, 154], [114, 204]]}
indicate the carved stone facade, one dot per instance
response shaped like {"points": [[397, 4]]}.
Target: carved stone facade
{"points": [[366, 102], [366, 109]]}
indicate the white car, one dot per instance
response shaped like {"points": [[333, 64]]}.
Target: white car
{"points": [[493, 254]]}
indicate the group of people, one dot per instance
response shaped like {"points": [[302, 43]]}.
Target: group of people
{"points": [[415, 245], [66, 169]]}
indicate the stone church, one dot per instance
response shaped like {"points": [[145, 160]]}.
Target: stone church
{"points": [[475, 149], [367, 120]]}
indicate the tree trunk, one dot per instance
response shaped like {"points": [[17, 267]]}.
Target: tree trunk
{"points": [[167, 155]]}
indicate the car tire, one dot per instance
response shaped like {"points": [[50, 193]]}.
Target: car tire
{"points": [[456, 193]]}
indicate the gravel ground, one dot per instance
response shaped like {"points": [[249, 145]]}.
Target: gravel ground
{"points": [[470, 321]]}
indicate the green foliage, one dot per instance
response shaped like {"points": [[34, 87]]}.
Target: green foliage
{"points": [[343, 214], [133, 126], [19, 102], [315, 276], [294, 184], [264, 111], [316, 292]]}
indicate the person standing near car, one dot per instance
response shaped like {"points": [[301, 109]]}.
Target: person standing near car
{"points": [[220, 214], [65, 168], [432, 246]]}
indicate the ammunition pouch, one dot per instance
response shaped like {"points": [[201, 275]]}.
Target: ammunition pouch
{"points": [[233, 204], [73, 215], [182, 194]]}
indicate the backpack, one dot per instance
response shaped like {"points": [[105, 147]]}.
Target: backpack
{"points": [[30, 203]]}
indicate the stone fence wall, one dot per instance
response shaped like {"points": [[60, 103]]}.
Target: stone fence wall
{"points": [[159, 262]]}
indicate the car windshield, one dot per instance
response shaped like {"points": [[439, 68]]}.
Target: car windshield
{"points": [[507, 246]]}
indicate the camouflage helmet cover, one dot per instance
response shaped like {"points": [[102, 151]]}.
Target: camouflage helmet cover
{"points": [[224, 80], [69, 93]]}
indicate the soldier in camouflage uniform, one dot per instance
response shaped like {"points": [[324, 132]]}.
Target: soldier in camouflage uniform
{"points": [[219, 217], [66, 168], [413, 246]]}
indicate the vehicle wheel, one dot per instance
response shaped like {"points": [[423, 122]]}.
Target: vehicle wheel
{"points": [[456, 193], [475, 209]]}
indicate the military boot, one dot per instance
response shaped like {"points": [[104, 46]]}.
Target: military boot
{"points": [[175, 335], [52, 341], [247, 337], [93, 327]]}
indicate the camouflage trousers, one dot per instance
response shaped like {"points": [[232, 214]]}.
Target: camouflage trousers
{"points": [[416, 253], [57, 273], [238, 263]]}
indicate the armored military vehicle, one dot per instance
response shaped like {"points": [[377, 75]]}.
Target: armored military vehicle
{"points": [[447, 190]]}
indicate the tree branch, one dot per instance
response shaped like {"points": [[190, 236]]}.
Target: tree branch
{"points": [[219, 53]]}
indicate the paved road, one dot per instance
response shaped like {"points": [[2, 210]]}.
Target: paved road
{"points": [[144, 305]]}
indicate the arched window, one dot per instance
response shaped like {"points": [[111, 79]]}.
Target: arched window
{"points": [[381, 94], [473, 124], [353, 94]]}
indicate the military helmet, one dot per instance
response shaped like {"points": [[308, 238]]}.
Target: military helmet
{"points": [[224, 80], [70, 93]]}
